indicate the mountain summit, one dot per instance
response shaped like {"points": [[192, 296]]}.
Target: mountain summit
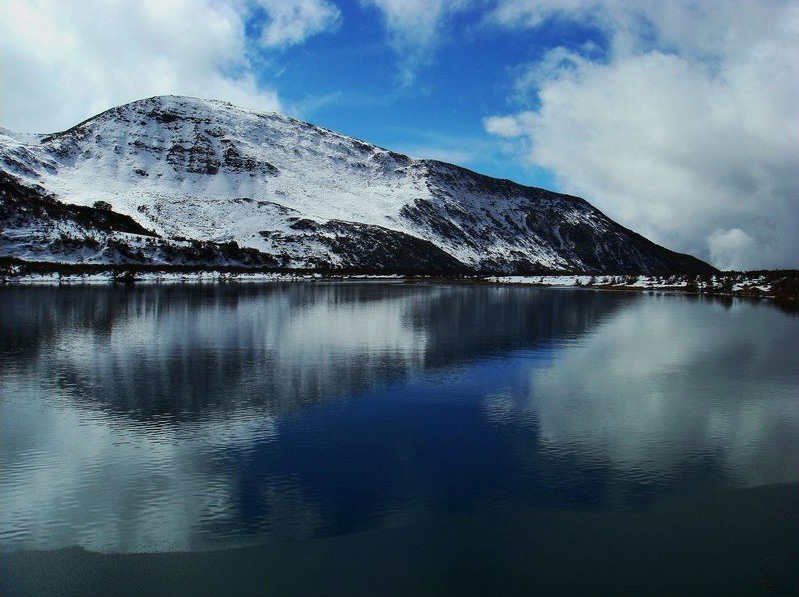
{"points": [[184, 180]]}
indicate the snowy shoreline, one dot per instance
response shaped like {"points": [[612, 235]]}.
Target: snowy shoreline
{"points": [[199, 277], [726, 284], [769, 284]]}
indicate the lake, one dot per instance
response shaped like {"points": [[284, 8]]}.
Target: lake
{"points": [[389, 438]]}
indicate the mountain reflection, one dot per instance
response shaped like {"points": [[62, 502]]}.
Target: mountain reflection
{"points": [[195, 417], [162, 353]]}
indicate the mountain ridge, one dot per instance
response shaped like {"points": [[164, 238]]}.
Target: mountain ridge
{"points": [[297, 195]]}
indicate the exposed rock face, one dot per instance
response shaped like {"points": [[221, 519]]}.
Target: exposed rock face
{"points": [[282, 192]]}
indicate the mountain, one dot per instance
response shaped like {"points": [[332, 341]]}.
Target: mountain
{"points": [[184, 180]]}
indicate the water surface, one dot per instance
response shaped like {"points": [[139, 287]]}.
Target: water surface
{"points": [[470, 433]]}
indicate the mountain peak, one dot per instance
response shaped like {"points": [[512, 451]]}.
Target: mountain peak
{"points": [[302, 195]]}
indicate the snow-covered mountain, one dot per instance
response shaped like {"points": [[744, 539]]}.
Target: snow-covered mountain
{"points": [[177, 180]]}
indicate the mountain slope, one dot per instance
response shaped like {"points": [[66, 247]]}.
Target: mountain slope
{"points": [[293, 194]]}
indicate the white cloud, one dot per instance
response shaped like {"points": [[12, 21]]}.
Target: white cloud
{"points": [[532, 13], [734, 246], [554, 64], [688, 128], [61, 62], [507, 126], [415, 28], [293, 21]]}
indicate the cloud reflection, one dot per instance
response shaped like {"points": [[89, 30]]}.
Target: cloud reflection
{"points": [[165, 418], [673, 380], [140, 419]]}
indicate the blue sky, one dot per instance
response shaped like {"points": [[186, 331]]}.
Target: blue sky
{"points": [[678, 118], [353, 79]]}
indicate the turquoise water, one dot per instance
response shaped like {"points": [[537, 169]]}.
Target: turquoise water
{"points": [[288, 418]]}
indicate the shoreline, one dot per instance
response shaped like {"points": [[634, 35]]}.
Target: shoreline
{"points": [[778, 285]]}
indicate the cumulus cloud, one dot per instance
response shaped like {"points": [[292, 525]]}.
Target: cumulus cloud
{"points": [[61, 62], [507, 126], [415, 27], [729, 247], [686, 130], [292, 21]]}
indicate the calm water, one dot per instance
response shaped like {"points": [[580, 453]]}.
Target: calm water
{"points": [[482, 424]]}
